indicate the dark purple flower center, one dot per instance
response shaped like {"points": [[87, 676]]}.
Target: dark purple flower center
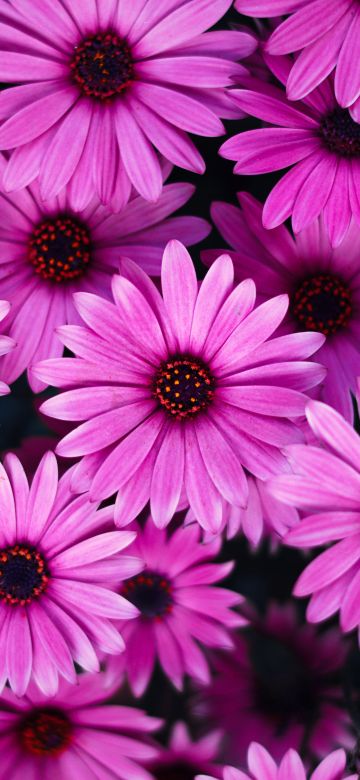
{"points": [[341, 134], [45, 732], [184, 386], [151, 593], [102, 66], [60, 248], [323, 303], [23, 574], [179, 770]]}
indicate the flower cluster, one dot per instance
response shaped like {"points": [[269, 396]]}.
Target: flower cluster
{"points": [[179, 432]]}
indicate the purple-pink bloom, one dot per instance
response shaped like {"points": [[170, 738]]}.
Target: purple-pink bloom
{"points": [[48, 251], [73, 735], [281, 682], [180, 390], [326, 33], [184, 757], [261, 766], [179, 607], [132, 81], [6, 344], [323, 285], [325, 483], [60, 567], [317, 137]]}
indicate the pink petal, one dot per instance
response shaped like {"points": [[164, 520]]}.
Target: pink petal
{"points": [[65, 150], [183, 24], [138, 156], [179, 286], [168, 476], [37, 117]]}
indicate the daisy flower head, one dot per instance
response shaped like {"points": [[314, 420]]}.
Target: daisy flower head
{"points": [[184, 757], [74, 734], [124, 77], [316, 136], [261, 766], [281, 682], [325, 34], [6, 344], [325, 482], [60, 566], [180, 390], [322, 283], [179, 607], [48, 251]]}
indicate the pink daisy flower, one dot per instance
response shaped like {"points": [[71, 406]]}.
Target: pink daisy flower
{"points": [[6, 344], [261, 766], [48, 251], [178, 391], [178, 607], [184, 758], [327, 35], [323, 284], [60, 565], [281, 683], [325, 483], [133, 81], [316, 136], [73, 735]]}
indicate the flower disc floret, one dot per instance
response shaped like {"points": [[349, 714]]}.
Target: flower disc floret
{"points": [[151, 593], [184, 386], [24, 575], [322, 302], [341, 134], [102, 66], [45, 732], [60, 248]]}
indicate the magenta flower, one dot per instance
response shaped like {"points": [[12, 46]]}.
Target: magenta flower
{"points": [[261, 766], [323, 285], [263, 516], [325, 483], [132, 81], [180, 390], [6, 344], [59, 567], [281, 683], [48, 252], [316, 136], [327, 35], [184, 758], [178, 608], [73, 735]]}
